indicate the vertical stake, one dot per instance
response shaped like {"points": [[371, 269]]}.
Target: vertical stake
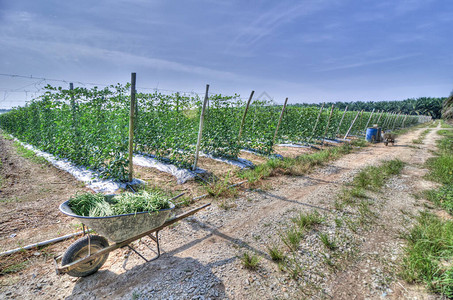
{"points": [[389, 121], [352, 124], [279, 121], [395, 121], [404, 120], [368, 123], [73, 112], [379, 117], [243, 117], [327, 127], [317, 120], [200, 129], [131, 128], [71, 88], [384, 125], [341, 121]]}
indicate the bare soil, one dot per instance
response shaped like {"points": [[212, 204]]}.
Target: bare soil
{"points": [[200, 257]]}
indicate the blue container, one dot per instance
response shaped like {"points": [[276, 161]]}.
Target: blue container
{"points": [[379, 135], [371, 135]]}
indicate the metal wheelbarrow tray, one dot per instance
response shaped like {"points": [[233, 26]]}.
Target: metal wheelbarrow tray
{"points": [[85, 256]]}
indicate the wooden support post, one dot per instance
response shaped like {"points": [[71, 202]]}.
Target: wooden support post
{"points": [[395, 121], [279, 121], [360, 119], [74, 117], [368, 123], [73, 108], [200, 129], [317, 120], [71, 88], [327, 127], [341, 121], [131, 128], [389, 121], [387, 116], [352, 124], [244, 116], [382, 112], [404, 121]]}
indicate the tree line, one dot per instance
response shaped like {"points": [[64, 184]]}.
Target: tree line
{"points": [[420, 106]]}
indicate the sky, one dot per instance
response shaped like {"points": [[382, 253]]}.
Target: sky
{"points": [[308, 51]]}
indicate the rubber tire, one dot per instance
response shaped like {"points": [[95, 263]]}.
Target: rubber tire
{"points": [[79, 249], [386, 143]]}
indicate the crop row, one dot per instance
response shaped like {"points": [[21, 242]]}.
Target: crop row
{"points": [[90, 126]]}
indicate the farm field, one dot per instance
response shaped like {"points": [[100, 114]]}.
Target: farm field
{"points": [[203, 255], [90, 127]]}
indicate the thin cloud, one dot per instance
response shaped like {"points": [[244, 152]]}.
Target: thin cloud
{"points": [[75, 52], [266, 23], [369, 62]]}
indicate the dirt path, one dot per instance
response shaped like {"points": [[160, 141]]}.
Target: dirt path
{"points": [[38, 188], [200, 259]]}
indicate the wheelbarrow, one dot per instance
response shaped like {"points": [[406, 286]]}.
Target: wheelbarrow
{"points": [[389, 138], [87, 255]]}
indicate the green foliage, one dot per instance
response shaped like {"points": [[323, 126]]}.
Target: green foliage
{"points": [[91, 133], [306, 221], [14, 268], [29, 154], [99, 205], [223, 119], [90, 127], [275, 253], [374, 177], [419, 140], [429, 254], [441, 170], [328, 242], [443, 197], [221, 188], [259, 127], [447, 108], [420, 106], [295, 166], [291, 238], [167, 126], [250, 261]]}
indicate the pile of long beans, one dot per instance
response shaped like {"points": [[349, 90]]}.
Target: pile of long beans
{"points": [[99, 205]]}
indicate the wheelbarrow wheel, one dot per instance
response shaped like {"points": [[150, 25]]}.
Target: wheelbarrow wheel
{"points": [[79, 249]]}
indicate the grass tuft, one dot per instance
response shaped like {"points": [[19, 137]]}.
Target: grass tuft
{"points": [[29, 154], [250, 261], [297, 166], [329, 243], [291, 238], [275, 253], [220, 188], [428, 255], [306, 221]]}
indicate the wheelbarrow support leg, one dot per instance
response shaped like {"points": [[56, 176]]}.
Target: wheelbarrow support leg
{"points": [[156, 240]]}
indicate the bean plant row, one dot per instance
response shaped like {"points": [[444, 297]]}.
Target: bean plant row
{"points": [[90, 126]]}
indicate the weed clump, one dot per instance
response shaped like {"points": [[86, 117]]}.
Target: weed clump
{"points": [[275, 253], [250, 261], [429, 254]]}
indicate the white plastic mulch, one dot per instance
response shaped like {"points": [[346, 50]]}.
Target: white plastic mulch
{"points": [[89, 177], [182, 175], [239, 162], [293, 145]]}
